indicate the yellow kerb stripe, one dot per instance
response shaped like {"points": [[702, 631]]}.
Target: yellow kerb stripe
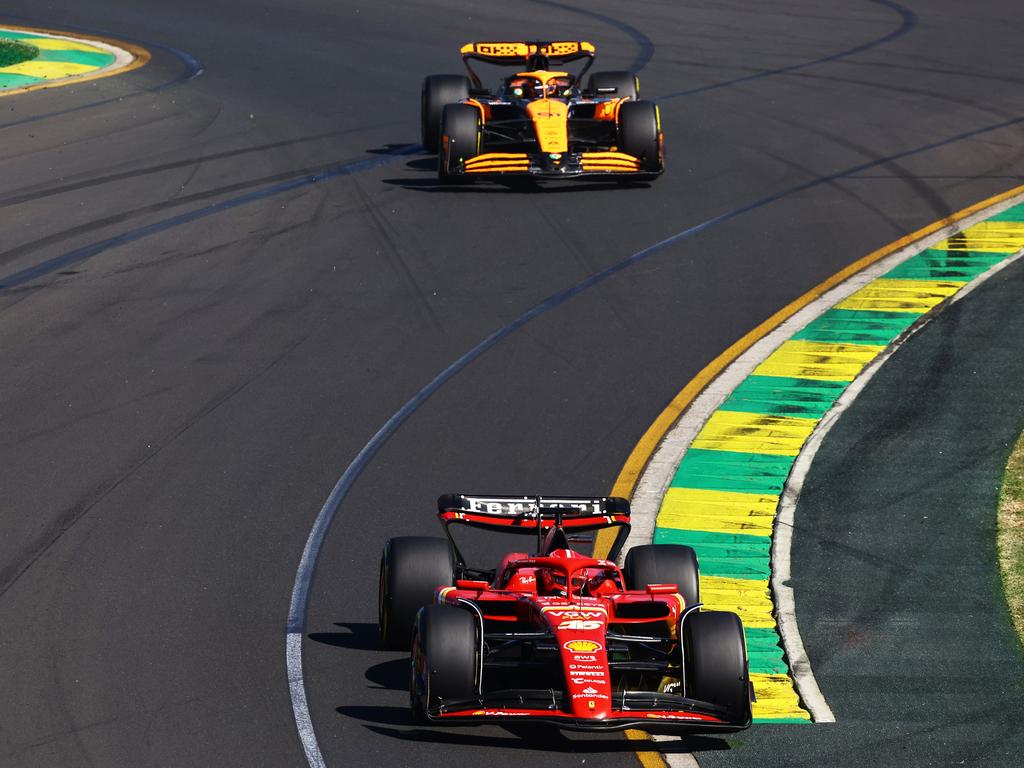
{"points": [[887, 295], [754, 432], [776, 698], [48, 70], [991, 236], [748, 598], [818, 360], [56, 44], [718, 511]]}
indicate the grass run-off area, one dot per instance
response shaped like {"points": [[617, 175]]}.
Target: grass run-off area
{"points": [[1011, 535], [15, 52]]}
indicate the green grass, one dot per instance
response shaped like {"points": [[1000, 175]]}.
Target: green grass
{"points": [[1011, 535], [15, 52]]}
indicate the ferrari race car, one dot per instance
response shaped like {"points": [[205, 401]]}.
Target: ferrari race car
{"points": [[558, 637], [540, 122]]}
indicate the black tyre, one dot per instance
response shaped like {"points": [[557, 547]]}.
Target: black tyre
{"points": [[445, 652], [460, 138], [664, 564], [411, 568], [716, 662], [438, 90], [626, 84], [640, 134]]}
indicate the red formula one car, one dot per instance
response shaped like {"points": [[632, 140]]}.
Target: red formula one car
{"points": [[556, 636], [540, 122]]}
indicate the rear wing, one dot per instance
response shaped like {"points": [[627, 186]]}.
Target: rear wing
{"points": [[533, 55], [537, 515]]}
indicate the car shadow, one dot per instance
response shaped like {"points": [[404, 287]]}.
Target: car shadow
{"points": [[360, 636]]}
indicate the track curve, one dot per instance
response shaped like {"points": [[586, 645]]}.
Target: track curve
{"points": [[176, 409]]}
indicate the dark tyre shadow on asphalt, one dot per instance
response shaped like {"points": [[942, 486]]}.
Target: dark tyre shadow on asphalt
{"points": [[361, 636]]}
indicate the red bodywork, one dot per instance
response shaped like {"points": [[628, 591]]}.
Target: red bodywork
{"points": [[562, 640]]}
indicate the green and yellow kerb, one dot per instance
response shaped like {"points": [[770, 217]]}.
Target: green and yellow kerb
{"points": [[725, 493]]}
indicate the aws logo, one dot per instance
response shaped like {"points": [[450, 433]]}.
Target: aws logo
{"points": [[583, 646]]}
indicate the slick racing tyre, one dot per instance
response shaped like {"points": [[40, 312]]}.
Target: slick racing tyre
{"points": [[438, 90], [664, 564], [411, 568], [626, 84], [460, 139], [445, 648], [716, 663], [640, 134]]}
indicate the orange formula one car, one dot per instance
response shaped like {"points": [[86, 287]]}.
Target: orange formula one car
{"points": [[540, 122]]}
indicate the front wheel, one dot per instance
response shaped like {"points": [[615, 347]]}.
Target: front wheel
{"points": [[640, 134], [445, 651], [716, 663], [460, 139]]}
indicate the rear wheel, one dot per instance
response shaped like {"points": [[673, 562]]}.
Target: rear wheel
{"points": [[640, 134], [438, 90], [626, 84], [445, 648], [460, 139], [411, 568], [664, 564], [716, 662]]}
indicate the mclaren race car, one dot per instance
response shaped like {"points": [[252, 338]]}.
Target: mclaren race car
{"points": [[540, 122], [556, 636]]}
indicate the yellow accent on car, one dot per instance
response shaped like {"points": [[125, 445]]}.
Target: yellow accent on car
{"points": [[550, 120]]}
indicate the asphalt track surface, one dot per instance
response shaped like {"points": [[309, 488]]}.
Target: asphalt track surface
{"points": [[216, 289]]}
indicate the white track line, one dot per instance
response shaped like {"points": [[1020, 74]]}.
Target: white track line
{"points": [[655, 479]]}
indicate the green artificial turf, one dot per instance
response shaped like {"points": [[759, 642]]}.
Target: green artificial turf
{"points": [[1011, 535], [15, 52]]}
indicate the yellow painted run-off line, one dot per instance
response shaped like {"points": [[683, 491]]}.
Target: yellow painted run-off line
{"points": [[788, 431], [65, 59]]}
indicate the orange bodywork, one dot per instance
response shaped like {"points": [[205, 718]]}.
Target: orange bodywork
{"points": [[551, 121]]}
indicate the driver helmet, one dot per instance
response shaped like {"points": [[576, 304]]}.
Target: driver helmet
{"points": [[523, 87], [552, 581]]}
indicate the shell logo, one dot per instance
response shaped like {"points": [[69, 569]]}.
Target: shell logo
{"points": [[583, 646]]}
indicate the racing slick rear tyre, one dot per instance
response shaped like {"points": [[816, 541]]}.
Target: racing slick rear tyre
{"points": [[640, 134], [460, 140], [716, 662], [438, 90], [411, 568], [445, 647], [664, 564], [626, 84]]}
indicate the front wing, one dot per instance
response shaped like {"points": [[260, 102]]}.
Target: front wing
{"points": [[567, 165], [660, 713]]}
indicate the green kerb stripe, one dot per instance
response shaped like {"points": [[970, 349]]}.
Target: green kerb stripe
{"points": [[1010, 214], [764, 652], [733, 555], [8, 80], [945, 265], [97, 59], [732, 471], [857, 326], [783, 396]]}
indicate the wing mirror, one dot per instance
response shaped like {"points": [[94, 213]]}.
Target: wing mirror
{"points": [[472, 584], [662, 589]]}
